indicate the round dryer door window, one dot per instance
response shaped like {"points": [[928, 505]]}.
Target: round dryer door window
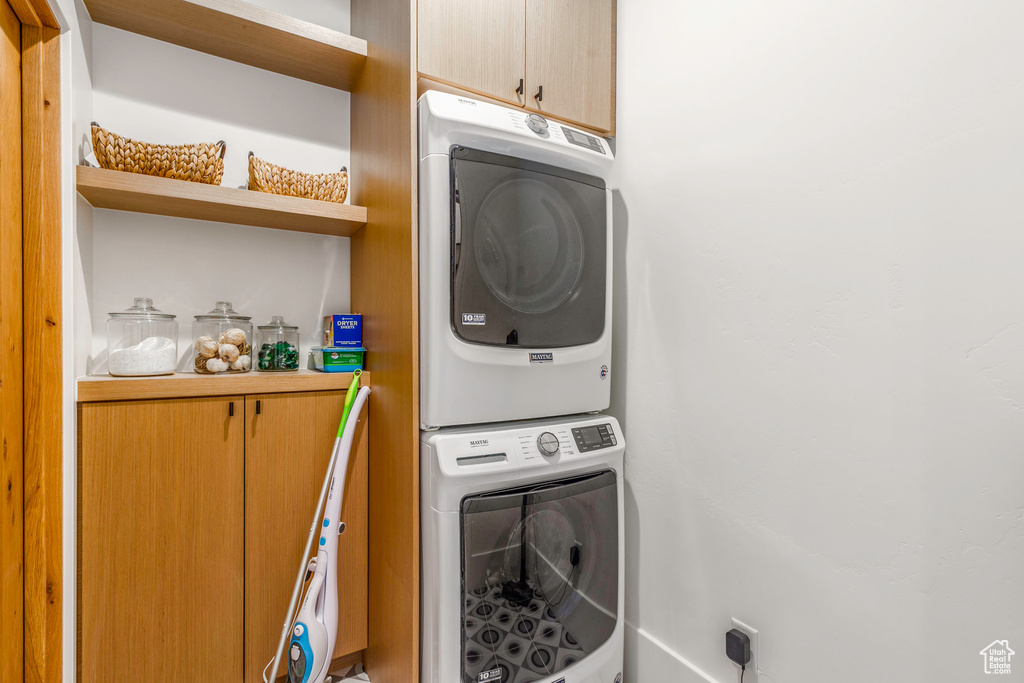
{"points": [[529, 252], [535, 267]]}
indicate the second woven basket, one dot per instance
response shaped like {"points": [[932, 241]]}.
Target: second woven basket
{"points": [[267, 177]]}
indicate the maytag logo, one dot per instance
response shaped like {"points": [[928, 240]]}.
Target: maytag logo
{"points": [[542, 357], [474, 318], [463, 100], [480, 442]]}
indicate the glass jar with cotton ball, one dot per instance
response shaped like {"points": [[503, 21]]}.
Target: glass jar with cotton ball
{"points": [[223, 341]]}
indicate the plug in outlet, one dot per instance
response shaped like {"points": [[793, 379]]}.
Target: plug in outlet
{"points": [[751, 672]]}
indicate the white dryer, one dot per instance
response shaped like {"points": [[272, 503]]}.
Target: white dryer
{"points": [[515, 265], [522, 552]]}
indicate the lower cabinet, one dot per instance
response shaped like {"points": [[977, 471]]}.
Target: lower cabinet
{"points": [[288, 446], [192, 517]]}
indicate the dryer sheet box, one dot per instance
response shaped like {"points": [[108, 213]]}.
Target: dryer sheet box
{"points": [[343, 331]]}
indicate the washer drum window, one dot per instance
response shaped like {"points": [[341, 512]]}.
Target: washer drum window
{"points": [[539, 577]]}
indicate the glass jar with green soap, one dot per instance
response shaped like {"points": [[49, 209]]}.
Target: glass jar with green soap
{"points": [[277, 345]]}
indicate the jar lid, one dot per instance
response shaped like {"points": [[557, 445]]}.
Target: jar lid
{"points": [[223, 311], [142, 309], [278, 323]]}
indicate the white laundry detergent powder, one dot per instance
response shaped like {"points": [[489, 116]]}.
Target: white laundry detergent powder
{"points": [[153, 356]]}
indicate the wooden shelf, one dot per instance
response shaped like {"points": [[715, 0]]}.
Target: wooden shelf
{"points": [[244, 33], [106, 189], [187, 384]]}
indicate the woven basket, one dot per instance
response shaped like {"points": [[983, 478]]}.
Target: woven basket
{"points": [[199, 163], [326, 187]]}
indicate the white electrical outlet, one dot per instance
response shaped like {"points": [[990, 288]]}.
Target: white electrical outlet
{"points": [[751, 672]]}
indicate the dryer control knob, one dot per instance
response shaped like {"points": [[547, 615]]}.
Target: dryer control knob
{"points": [[537, 123], [547, 443]]}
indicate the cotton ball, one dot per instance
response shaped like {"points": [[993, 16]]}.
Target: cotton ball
{"points": [[216, 365], [233, 336], [242, 363], [228, 352], [206, 347]]}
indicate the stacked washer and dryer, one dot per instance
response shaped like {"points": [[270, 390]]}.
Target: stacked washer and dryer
{"points": [[521, 476]]}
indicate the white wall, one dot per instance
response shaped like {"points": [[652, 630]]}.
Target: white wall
{"points": [[820, 335], [158, 92]]}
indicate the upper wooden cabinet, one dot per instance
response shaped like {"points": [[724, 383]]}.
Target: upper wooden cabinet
{"points": [[570, 72], [475, 44], [562, 52]]}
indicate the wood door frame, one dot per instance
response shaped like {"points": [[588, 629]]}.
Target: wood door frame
{"points": [[37, 507]]}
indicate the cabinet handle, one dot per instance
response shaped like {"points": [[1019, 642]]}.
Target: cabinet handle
{"points": [[540, 94], [257, 407], [520, 89], [231, 409]]}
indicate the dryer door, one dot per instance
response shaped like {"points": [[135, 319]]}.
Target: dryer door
{"points": [[540, 580], [529, 249]]}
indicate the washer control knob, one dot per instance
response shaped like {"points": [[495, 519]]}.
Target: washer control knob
{"points": [[537, 123], [547, 443]]}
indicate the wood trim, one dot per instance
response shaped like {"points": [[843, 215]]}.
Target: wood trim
{"points": [[384, 287], [35, 13], [615, 71], [186, 385], [345, 660], [44, 600], [108, 189], [12, 521]]}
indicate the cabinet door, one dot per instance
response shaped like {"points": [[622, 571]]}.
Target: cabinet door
{"points": [[570, 54], [289, 438], [161, 555], [475, 44]]}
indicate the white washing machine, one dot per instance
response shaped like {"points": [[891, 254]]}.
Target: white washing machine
{"points": [[515, 265], [522, 552]]}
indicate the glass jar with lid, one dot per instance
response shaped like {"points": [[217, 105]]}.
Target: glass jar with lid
{"points": [[222, 341], [278, 344], [142, 340]]}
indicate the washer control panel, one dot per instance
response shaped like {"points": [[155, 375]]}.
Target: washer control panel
{"points": [[593, 437], [502, 452], [547, 443]]}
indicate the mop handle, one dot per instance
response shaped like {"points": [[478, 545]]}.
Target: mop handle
{"points": [[350, 397]]}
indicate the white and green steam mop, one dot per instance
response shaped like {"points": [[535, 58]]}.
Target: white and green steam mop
{"points": [[314, 631]]}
